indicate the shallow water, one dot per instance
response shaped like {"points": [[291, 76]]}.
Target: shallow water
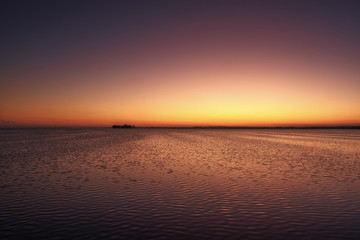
{"points": [[179, 183]]}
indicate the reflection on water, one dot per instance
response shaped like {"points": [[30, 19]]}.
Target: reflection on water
{"points": [[179, 183]]}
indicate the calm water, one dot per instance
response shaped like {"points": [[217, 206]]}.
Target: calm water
{"points": [[179, 183]]}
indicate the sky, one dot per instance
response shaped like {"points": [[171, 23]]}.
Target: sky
{"points": [[179, 63]]}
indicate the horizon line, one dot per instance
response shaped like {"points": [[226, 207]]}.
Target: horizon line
{"points": [[200, 127]]}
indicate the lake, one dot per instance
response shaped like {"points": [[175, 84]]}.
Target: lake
{"points": [[102, 183]]}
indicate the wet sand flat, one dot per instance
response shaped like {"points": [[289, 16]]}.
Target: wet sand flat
{"points": [[98, 183]]}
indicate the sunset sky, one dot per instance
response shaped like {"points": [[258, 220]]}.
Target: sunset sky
{"points": [[180, 63]]}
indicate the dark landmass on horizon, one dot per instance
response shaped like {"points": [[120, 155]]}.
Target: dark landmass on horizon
{"points": [[123, 126]]}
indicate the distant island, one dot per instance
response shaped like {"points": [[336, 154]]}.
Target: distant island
{"points": [[123, 126]]}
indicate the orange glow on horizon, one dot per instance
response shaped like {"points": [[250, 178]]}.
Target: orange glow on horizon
{"points": [[194, 98], [262, 72]]}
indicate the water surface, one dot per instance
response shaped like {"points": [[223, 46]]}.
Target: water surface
{"points": [[179, 183]]}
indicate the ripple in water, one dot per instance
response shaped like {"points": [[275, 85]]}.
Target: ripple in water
{"points": [[179, 183]]}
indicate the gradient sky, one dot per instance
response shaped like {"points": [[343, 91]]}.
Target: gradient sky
{"points": [[180, 63]]}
